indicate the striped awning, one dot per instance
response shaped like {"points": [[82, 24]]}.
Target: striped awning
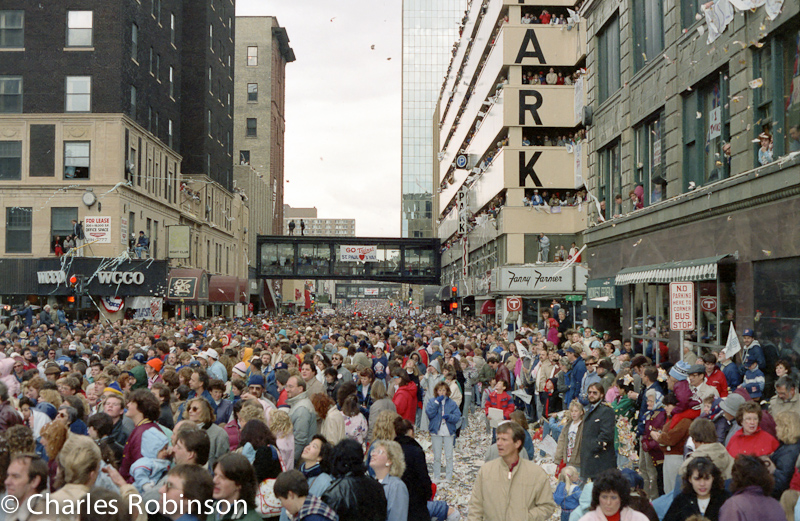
{"points": [[675, 271]]}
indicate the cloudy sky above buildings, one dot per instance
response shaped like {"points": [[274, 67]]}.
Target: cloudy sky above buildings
{"points": [[342, 108]]}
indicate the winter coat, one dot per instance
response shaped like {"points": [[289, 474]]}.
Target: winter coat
{"points": [[133, 449], [675, 433], [597, 444], [451, 415], [416, 478], [653, 421], [784, 459], [567, 501], [561, 448], [642, 404], [685, 505], [760, 443], [405, 400], [304, 420], [502, 401], [750, 504], [356, 498], [220, 443], [716, 453], [428, 384], [526, 496], [718, 381]]}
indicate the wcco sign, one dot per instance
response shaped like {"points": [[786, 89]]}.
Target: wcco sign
{"points": [[102, 277]]}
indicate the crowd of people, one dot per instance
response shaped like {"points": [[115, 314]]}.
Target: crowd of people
{"points": [[321, 417]]}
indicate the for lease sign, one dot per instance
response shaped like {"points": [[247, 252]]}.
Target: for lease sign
{"points": [[681, 306], [97, 229]]}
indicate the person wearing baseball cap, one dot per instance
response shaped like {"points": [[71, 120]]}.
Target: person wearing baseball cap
{"points": [[752, 350], [753, 381], [215, 368]]}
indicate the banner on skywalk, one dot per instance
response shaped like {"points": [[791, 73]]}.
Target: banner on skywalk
{"points": [[358, 253]]}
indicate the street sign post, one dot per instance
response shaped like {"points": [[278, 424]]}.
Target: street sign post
{"points": [[681, 308]]}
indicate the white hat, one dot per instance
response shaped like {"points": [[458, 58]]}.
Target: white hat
{"points": [[203, 355], [213, 354]]}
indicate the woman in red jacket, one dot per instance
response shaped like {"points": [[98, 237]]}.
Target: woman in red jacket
{"points": [[405, 397]]}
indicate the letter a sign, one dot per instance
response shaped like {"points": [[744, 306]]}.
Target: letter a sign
{"points": [[681, 306]]}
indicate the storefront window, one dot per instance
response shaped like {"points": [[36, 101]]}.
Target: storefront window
{"points": [[776, 286], [651, 319]]}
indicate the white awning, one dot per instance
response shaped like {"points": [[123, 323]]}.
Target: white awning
{"points": [[675, 271]]}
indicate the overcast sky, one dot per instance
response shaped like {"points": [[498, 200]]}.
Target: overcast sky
{"points": [[342, 108]]}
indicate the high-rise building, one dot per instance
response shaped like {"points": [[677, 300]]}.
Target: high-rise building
{"points": [[511, 158], [207, 84], [262, 52], [430, 27], [118, 114], [314, 225]]}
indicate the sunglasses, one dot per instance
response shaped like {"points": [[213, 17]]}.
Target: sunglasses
{"points": [[194, 408]]}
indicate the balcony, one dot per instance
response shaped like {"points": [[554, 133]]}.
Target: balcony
{"points": [[539, 106], [542, 3], [554, 167], [545, 45], [527, 219]]}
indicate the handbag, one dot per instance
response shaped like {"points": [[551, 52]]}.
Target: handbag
{"points": [[266, 503]]}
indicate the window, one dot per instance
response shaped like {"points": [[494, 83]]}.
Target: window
{"points": [[210, 89], [169, 134], [12, 29], [650, 159], [79, 28], [252, 127], [171, 82], [172, 28], [133, 102], [18, 230], [252, 92], [158, 10], [706, 128], [648, 32], [76, 159], [211, 37], [135, 42], [608, 50], [789, 97], [149, 119], [610, 176], [79, 94], [209, 122], [152, 60], [252, 56], [244, 157], [689, 8], [763, 114], [10, 94], [61, 223], [158, 67], [10, 160], [208, 164]]}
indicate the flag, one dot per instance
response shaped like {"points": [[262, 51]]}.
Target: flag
{"points": [[732, 346]]}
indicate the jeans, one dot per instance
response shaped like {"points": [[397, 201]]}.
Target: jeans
{"points": [[649, 472], [139, 251], [545, 253], [553, 428], [436, 441]]}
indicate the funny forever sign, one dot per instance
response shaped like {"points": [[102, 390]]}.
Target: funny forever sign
{"points": [[358, 253]]}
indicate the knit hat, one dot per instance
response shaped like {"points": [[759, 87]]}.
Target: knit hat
{"points": [[732, 403], [113, 387], [240, 369], [156, 364], [680, 371]]}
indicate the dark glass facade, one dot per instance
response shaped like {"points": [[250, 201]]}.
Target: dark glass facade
{"points": [[430, 27]]}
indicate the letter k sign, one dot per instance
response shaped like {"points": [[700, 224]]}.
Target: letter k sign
{"points": [[526, 169]]}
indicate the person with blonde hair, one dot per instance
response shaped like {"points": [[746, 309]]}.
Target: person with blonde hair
{"points": [[568, 450], [281, 426], [787, 429], [568, 491], [389, 464], [384, 426]]}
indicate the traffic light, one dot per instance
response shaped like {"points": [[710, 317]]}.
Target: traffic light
{"points": [[453, 306], [77, 283], [454, 291]]}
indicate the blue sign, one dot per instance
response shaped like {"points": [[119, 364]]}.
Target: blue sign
{"points": [[461, 161]]}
